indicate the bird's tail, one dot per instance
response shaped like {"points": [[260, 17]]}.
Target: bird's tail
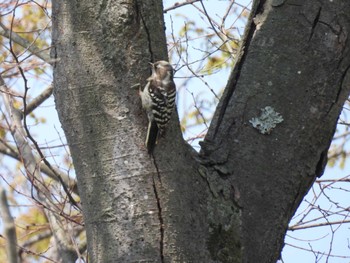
{"points": [[151, 138]]}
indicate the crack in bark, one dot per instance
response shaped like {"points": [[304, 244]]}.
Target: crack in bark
{"points": [[103, 7], [160, 216], [248, 36], [315, 22], [156, 194], [158, 173], [139, 11]]}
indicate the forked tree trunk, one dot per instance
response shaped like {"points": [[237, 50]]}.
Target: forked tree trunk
{"points": [[233, 201]]}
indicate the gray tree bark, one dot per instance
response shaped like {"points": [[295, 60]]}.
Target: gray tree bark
{"points": [[233, 201]]}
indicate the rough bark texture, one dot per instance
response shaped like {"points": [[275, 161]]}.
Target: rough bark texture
{"points": [[102, 49], [136, 208], [297, 61], [179, 207]]}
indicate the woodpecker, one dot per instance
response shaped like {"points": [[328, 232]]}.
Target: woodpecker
{"points": [[158, 100]]}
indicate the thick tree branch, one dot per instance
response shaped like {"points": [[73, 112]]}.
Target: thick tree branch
{"points": [[9, 229], [271, 173], [105, 128]]}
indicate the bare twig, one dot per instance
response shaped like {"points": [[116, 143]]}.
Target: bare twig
{"points": [[42, 54], [10, 151], [227, 12], [222, 34], [199, 111], [328, 223], [177, 5], [319, 252], [210, 20], [25, 127]]}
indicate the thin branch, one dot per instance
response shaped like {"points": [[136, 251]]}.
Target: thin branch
{"points": [[38, 237], [10, 151], [222, 35], [333, 180], [44, 55], [210, 20], [38, 100], [27, 157], [177, 5], [44, 197], [25, 127], [199, 111], [227, 13], [318, 252]]}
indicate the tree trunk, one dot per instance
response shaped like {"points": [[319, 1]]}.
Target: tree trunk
{"points": [[233, 202]]}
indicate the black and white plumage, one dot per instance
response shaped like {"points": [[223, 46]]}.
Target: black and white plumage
{"points": [[158, 99]]}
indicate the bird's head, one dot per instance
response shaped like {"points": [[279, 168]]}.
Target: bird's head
{"points": [[162, 69]]}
